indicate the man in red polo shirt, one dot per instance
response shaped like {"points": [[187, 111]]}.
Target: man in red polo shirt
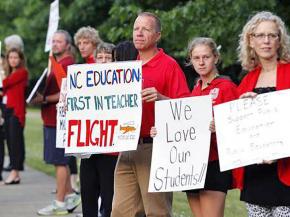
{"points": [[162, 79], [66, 201]]}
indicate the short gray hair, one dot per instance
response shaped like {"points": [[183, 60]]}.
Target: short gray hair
{"points": [[156, 19], [105, 47], [67, 36], [14, 41]]}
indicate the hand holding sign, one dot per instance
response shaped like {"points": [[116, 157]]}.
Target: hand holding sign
{"points": [[153, 132], [248, 95]]}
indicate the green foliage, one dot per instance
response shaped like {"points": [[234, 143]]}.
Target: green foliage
{"points": [[29, 19], [221, 20], [181, 20], [34, 142]]}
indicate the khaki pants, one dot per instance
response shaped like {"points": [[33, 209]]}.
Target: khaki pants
{"points": [[131, 196]]}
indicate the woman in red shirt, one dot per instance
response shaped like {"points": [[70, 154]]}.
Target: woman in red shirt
{"points": [[14, 87], [265, 51], [204, 56], [209, 201]]}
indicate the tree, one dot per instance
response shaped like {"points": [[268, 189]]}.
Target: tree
{"points": [[181, 21], [29, 19], [221, 20]]}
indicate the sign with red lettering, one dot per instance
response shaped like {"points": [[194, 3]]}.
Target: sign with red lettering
{"points": [[61, 116], [104, 107], [181, 147], [253, 130]]}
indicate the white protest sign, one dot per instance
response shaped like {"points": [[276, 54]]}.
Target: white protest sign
{"points": [[52, 24], [61, 116], [104, 107], [181, 147], [252, 130]]}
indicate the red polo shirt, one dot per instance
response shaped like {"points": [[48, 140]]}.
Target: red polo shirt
{"points": [[48, 111], [163, 73], [221, 90], [14, 87]]}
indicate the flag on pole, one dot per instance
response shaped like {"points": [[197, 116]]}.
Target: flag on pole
{"points": [[58, 71]]}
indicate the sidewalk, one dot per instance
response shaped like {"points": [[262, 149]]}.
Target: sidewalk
{"points": [[33, 193]]}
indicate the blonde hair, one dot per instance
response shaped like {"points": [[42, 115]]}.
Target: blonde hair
{"points": [[202, 41], [247, 55], [88, 33]]}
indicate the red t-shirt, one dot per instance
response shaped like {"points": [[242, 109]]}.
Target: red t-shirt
{"points": [[221, 90], [48, 111], [14, 87], [163, 73]]}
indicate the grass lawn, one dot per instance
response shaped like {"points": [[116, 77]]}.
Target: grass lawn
{"points": [[34, 156]]}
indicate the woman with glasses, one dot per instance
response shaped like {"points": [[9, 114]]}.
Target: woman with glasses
{"points": [[264, 50]]}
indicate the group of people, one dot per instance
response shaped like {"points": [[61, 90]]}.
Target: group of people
{"points": [[96, 171], [121, 179]]}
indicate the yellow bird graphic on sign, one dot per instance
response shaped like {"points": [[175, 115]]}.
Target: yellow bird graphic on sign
{"points": [[127, 129]]}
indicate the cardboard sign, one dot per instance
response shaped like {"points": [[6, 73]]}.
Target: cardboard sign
{"points": [[181, 147], [104, 107], [252, 130], [52, 24], [61, 116]]}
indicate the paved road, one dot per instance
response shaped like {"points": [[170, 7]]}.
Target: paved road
{"points": [[24, 199]]}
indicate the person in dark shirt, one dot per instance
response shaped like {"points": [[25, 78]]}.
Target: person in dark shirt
{"points": [[66, 201]]}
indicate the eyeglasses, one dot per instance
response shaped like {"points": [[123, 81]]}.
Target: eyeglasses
{"points": [[262, 36]]}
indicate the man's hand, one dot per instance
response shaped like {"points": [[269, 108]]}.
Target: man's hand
{"points": [[37, 100], [248, 95], [269, 161], [150, 94], [153, 132], [212, 126]]}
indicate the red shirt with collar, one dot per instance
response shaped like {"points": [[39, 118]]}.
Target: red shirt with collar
{"points": [[14, 87], [90, 59], [163, 73], [221, 90], [247, 85], [48, 111]]}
